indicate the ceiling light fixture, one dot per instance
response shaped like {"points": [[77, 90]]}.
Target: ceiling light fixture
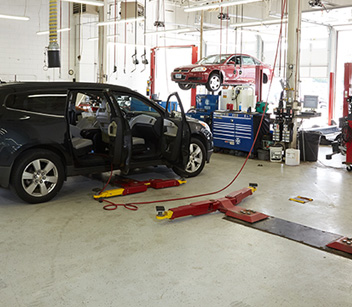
{"points": [[112, 22], [90, 2], [58, 30], [108, 36], [218, 5], [259, 23], [127, 45], [23, 18], [181, 30]]}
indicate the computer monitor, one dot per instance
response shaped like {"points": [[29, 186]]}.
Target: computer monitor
{"points": [[311, 102]]}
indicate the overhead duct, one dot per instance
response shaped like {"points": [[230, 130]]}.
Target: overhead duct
{"points": [[54, 48]]}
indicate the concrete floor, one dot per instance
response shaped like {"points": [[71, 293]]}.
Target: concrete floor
{"points": [[70, 252]]}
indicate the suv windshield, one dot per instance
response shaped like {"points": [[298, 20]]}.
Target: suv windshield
{"points": [[214, 59]]}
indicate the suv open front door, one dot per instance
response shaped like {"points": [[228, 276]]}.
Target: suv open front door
{"points": [[176, 135], [120, 138]]}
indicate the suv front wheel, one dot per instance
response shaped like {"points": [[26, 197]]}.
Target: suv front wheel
{"points": [[196, 160], [37, 176]]}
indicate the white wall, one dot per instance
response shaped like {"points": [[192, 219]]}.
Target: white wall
{"points": [[21, 50]]}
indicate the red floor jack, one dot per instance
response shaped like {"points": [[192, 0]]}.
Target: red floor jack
{"points": [[130, 186], [227, 205]]}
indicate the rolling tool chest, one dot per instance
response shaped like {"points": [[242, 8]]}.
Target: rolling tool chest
{"points": [[236, 130]]}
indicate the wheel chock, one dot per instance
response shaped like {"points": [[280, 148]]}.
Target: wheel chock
{"points": [[343, 244], [246, 215]]}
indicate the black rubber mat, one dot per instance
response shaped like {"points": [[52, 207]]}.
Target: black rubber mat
{"points": [[309, 236]]}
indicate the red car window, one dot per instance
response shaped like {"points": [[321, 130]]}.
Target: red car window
{"points": [[247, 60]]}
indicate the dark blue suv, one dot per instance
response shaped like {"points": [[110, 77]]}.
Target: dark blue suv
{"points": [[49, 131]]}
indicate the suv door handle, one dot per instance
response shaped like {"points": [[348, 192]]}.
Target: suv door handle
{"points": [[24, 117], [112, 129]]}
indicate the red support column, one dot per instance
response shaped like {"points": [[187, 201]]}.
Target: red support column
{"points": [[348, 87], [194, 90], [259, 82], [331, 98], [152, 71]]}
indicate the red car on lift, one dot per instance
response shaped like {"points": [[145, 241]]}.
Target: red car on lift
{"points": [[216, 70]]}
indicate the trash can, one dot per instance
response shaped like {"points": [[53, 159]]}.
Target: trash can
{"points": [[309, 145]]}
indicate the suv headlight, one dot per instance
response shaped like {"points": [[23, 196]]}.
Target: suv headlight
{"points": [[205, 125], [198, 69]]}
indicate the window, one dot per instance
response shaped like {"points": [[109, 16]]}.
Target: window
{"points": [[133, 104], [53, 104], [247, 60], [236, 59], [257, 62], [90, 102], [214, 59], [89, 109]]}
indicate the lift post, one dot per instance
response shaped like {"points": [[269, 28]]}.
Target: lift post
{"points": [[153, 63]]}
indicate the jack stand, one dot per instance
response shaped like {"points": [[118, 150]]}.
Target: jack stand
{"points": [[227, 205], [130, 186]]}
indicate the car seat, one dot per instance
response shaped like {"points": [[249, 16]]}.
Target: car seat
{"points": [[81, 146]]}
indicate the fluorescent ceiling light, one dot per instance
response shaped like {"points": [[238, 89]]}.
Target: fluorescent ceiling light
{"points": [[244, 17], [180, 30], [108, 36], [218, 5], [112, 22], [90, 2], [58, 30], [127, 44], [24, 18], [259, 23]]}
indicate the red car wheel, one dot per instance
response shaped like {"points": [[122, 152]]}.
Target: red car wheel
{"points": [[214, 82], [183, 86]]}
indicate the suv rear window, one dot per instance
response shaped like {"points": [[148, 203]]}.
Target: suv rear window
{"points": [[53, 104]]}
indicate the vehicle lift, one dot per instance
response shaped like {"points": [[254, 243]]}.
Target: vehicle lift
{"points": [[343, 143], [130, 186], [227, 205]]}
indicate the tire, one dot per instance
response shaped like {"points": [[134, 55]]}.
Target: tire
{"points": [[184, 86], [214, 82], [37, 176], [265, 78], [196, 160]]}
